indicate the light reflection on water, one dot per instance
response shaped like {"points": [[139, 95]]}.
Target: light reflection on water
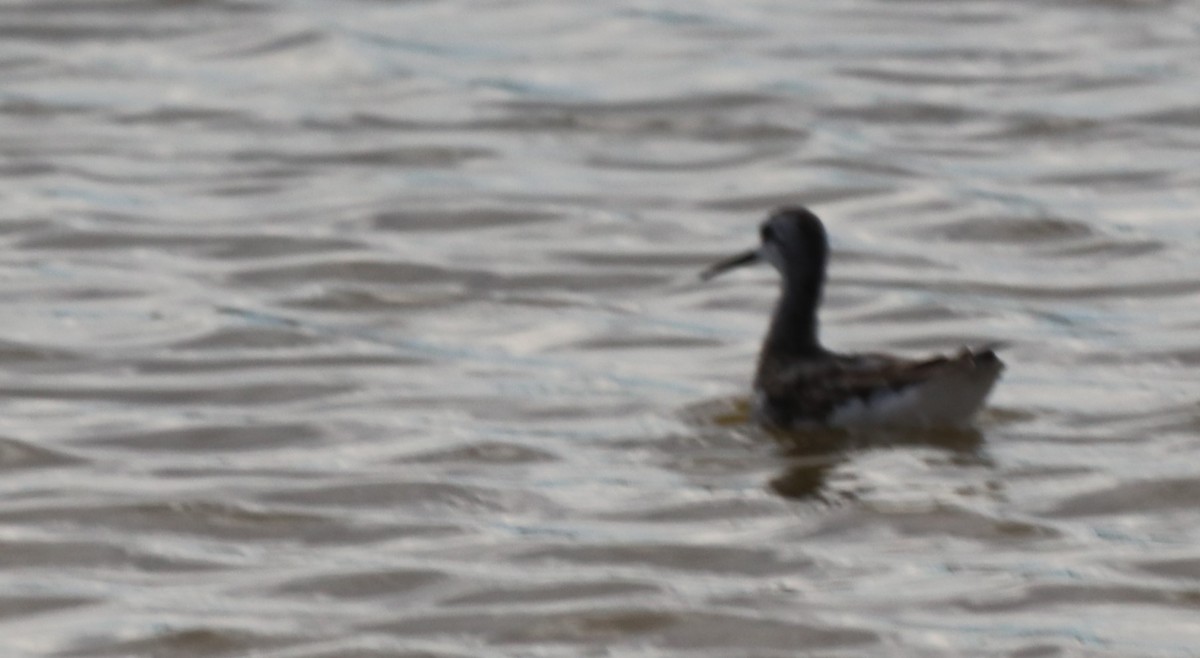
{"points": [[375, 330]]}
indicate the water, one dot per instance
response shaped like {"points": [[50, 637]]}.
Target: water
{"points": [[372, 328]]}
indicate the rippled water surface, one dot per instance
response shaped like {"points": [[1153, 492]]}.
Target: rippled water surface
{"points": [[369, 328]]}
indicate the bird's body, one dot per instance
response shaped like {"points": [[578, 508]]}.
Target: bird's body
{"points": [[801, 384], [869, 389]]}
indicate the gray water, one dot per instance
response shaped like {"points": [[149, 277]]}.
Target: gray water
{"points": [[369, 328]]}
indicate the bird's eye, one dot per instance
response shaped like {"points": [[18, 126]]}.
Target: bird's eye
{"points": [[766, 233]]}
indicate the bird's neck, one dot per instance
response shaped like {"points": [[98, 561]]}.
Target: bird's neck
{"points": [[793, 332]]}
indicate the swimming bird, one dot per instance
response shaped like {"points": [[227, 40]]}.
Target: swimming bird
{"points": [[801, 384]]}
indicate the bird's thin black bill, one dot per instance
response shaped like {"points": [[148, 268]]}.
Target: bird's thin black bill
{"points": [[748, 258]]}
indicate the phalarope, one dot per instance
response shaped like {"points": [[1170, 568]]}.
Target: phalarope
{"points": [[801, 384]]}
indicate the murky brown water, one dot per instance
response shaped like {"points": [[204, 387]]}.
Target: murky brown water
{"points": [[371, 328]]}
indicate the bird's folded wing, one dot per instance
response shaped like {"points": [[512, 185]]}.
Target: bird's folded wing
{"points": [[812, 390]]}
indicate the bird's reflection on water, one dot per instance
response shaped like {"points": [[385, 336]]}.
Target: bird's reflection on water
{"points": [[810, 456]]}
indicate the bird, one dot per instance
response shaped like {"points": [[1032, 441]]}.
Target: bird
{"points": [[799, 384]]}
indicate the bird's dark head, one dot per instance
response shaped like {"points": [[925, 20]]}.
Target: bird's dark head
{"points": [[793, 237], [793, 241]]}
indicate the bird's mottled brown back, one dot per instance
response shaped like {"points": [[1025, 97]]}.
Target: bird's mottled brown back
{"points": [[810, 390]]}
